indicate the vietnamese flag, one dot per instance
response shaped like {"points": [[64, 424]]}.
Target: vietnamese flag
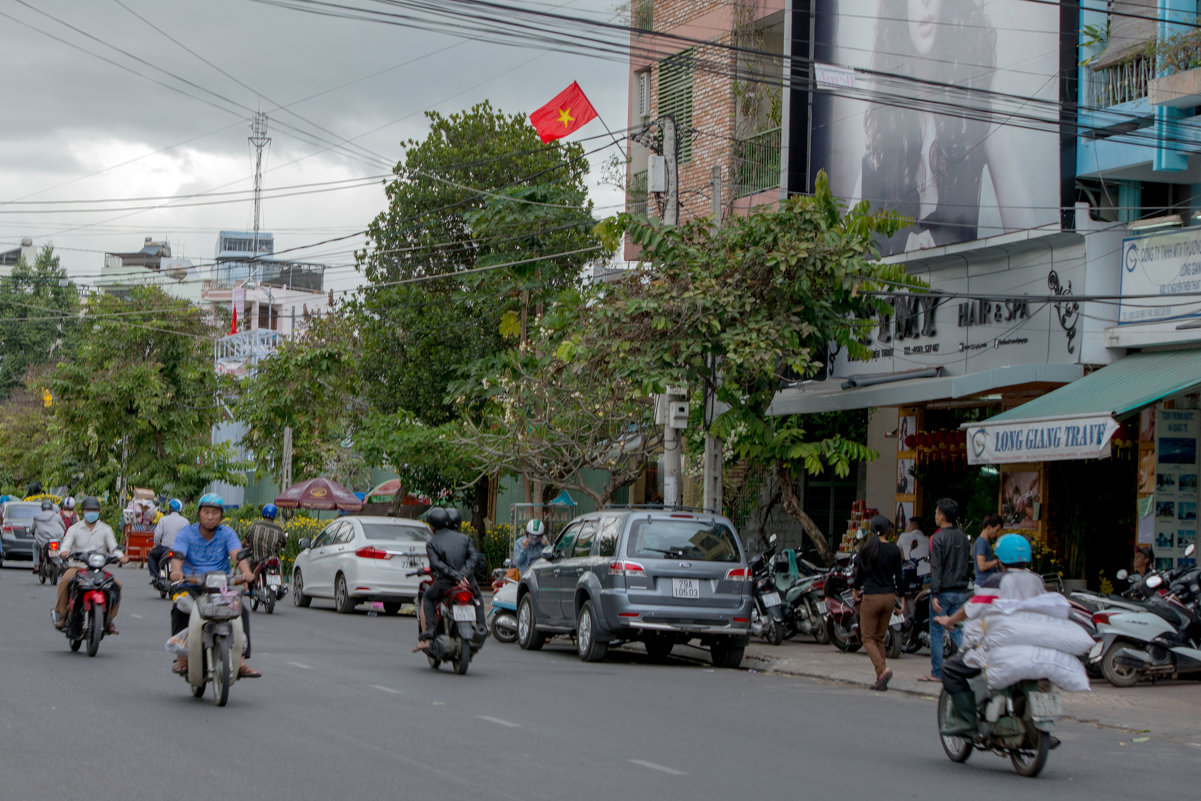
{"points": [[565, 113]]}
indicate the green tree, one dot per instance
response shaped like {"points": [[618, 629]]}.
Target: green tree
{"points": [[141, 390], [38, 317], [30, 438], [766, 295]]}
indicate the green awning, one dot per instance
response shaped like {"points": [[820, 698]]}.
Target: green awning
{"points": [[1132, 382]]}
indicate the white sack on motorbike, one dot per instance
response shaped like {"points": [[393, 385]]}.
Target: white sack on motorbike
{"points": [[1048, 603], [1010, 664], [1031, 628]]}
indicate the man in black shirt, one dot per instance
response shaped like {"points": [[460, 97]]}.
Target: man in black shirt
{"points": [[452, 557], [950, 570]]}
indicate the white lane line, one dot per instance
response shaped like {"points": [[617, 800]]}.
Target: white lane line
{"points": [[382, 688], [499, 721], [136, 617], [300, 665], [658, 767]]}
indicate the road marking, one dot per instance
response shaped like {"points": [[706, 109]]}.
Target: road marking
{"points": [[658, 767], [499, 722], [301, 665], [136, 617], [387, 689]]}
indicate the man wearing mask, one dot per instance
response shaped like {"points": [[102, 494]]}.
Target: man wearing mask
{"points": [[89, 534], [529, 548]]}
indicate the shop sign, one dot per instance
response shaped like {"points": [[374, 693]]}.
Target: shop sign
{"points": [[1166, 267], [1040, 440]]}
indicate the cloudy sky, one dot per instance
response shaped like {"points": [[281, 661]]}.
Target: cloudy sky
{"points": [[129, 118]]}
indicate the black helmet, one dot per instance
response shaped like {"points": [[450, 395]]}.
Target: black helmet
{"points": [[438, 518], [90, 503], [47, 504], [454, 519]]}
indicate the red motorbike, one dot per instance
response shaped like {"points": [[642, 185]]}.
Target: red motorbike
{"points": [[268, 585], [455, 636], [88, 600]]}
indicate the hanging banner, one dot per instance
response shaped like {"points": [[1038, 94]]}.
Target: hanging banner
{"points": [[1040, 440]]}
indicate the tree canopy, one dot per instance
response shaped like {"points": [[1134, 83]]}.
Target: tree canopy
{"points": [[39, 307]]}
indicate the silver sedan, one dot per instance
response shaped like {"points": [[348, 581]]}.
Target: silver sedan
{"points": [[361, 558]]}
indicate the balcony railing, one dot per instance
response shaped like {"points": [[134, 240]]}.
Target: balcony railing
{"points": [[757, 163], [1120, 83]]}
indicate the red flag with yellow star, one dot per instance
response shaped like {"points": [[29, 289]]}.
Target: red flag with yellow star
{"points": [[567, 112]]}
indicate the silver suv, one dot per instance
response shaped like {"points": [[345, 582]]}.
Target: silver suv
{"points": [[659, 576]]}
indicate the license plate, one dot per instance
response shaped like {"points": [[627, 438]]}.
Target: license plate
{"points": [[771, 599], [1044, 705], [463, 613], [685, 588], [274, 581], [896, 620]]}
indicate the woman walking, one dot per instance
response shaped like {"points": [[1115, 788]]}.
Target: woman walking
{"points": [[878, 583]]}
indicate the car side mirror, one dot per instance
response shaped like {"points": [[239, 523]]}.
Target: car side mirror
{"points": [[304, 543], [548, 553]]}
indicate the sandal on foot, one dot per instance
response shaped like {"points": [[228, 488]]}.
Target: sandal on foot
{"points": [[882, 680], [179, 670], [247, 672], [929, 678]]}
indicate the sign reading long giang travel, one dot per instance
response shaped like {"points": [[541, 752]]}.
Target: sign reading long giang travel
{"points": [[1040, 440]]}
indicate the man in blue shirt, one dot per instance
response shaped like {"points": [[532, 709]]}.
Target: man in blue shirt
{"points": [[985, 563], [208, 546]]}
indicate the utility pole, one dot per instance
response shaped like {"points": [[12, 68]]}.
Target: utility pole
{"points": [[286, 474], [671, 199], [673, 408], [258, 140], [713, 447]]}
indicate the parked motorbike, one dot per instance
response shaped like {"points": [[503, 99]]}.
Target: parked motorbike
{"points": [[842, 616], [87, 600], [502, 617], [804, 608], [268, 586], [455, 637], [214, 637], [50, 563], [767, 618], [1014, 722], [1161, 639]]}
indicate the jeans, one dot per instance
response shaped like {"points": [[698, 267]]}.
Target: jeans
{"points": [[950, 603]]}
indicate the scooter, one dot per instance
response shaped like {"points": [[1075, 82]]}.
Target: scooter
{"points": [[1162, 639], [214, 637], [767, 618], [455, 637], [502, 617], [268, 586], [804, 608], [50, 564], [87, 600], [1014, 722], [162, 579]]}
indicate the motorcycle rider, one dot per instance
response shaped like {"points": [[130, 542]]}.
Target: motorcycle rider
{"points": [[265, 538], [165, 532], [47, 526], [1013, 581], [529, 548], [89, 534], [452, 557], [67, 513], [207, 546]]}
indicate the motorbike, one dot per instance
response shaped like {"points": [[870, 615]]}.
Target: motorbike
{"points": [[842, 617], [214, 639], [268, 586], [162, 578], [1015, 722], [502, 617], [50, 563], [767, 618], [455, 637], [1161, 639], [804, 608], [87, 600]]}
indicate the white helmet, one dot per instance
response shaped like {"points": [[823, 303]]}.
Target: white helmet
{"points": [[535, 528], [69, 503]]}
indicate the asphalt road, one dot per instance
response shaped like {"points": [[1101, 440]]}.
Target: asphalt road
{"points": [[344, 710]]}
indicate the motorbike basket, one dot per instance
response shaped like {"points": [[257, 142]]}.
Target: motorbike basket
{"points": [[219, 606]]}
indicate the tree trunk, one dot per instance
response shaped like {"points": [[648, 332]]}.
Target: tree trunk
{"points": [[397, 502], [792, 505], [479, 506]]}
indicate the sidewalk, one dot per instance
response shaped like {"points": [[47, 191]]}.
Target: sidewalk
{"points": [[1167, 709]]}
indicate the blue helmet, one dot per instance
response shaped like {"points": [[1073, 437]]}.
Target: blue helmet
{"points": [[270, 511], [175, 505], [211, 499], [1013, 549]]}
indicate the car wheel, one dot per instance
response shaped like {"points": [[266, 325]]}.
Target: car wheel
{"points": [[342, 600], [528, 636], [298, 596], [590, 642], [725, 654]]}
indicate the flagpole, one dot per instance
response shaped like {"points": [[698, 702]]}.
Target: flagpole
{"points": [[615, 139]]}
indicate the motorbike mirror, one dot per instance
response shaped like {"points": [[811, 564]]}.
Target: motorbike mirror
{"points": [[244, 554], [772, 539], [508, 563], [1122, 575], [304, 543], [1189, 550], [1154, 581]]}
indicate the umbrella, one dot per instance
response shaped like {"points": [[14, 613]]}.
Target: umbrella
{"points": [[319, 493], [388, 490]]}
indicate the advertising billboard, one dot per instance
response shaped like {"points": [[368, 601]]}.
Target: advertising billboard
{"points": [[949, 114], [1161, 277]]}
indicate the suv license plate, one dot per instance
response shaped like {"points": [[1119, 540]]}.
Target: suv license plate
{"points": [[463, 613], [685, 588], [1044, 705], [771, 599]]}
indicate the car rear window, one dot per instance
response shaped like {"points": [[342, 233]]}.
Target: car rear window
{"points": [[683, 539], [395, 532], [21, 511]]}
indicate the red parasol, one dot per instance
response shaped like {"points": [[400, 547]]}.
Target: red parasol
{"points": [[319, 493], [388, 490]]}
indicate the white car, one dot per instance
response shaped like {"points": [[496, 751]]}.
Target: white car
{"points": [[357, 559]]}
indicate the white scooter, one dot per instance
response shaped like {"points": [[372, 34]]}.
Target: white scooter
{"points": [[214, 635], [1161, 639]]}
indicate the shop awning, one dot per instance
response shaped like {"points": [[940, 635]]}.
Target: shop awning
{"points": [[1077, 420], [829, 396]]}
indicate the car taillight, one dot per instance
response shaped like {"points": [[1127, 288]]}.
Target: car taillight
{"points": [[626, 569], [371, 552], [738, 574], [1101, 617]]}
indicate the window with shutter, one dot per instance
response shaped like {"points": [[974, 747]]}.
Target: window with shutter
{"points": [[675, 98]]}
